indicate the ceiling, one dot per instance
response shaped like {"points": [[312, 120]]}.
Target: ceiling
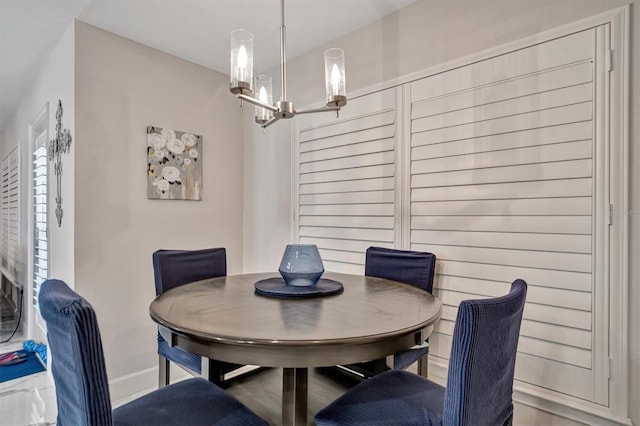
{"points": [[195, 30]]}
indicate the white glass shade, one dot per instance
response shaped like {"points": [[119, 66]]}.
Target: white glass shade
{"points": [[334, 74], [241, 62], [263, 90]]}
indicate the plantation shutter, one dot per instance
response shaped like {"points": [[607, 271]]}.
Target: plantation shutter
{"points": [[4, 206], [346, 180], [10, 206], [40, 240], [503, 186]]}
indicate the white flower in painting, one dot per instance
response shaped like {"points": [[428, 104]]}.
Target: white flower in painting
{"points": [[189, 139], [167, 135], [159, 154], [194, 153], [155, 141], [187, 162], [161, 184], [171, 174], [176, 146]]}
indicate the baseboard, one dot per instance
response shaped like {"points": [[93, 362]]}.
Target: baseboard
{"points": [[574, 410], [240, 371], [126, 388], [131, 386], [568, 407]]}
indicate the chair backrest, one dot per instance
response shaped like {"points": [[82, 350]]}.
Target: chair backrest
{"points": [[77, 360], [173, 268], [483, 355], [410, 267]]}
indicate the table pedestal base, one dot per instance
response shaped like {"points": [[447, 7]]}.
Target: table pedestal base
{"points": [[294, 396]]}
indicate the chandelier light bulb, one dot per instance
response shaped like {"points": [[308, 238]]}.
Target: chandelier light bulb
{"points": [[263, 95], [335, 80], [334, 77], [241, 74], [242, 63], [263, 87]]}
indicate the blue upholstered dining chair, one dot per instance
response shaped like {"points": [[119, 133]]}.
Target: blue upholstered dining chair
{"points": [[80, 376], [173, 268], [409, 267], [479, 384]]}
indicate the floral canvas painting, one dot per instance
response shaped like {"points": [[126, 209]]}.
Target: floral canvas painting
{"points": [[174, 164]]}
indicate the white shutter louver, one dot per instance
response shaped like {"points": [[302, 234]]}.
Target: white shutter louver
{"points": [[346, 178], [10, 206], [502, 187], [39, 217]]}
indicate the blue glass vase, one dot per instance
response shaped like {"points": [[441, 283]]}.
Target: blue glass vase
{"points": [[301, 265]]}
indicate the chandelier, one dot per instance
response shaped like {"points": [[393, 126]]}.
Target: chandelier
{"points": [[244, 86]]}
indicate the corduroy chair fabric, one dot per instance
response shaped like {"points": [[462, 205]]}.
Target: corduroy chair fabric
{"points": [[80, 377], [409, 267], [173, 268], [77, 360], [480, 376]]}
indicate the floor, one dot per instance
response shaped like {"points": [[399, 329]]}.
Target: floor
{"points": [[31, 400]]}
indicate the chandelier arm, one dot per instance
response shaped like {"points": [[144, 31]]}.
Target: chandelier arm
{"points": [[283, 55], [256, 102], [320, 109], [242, 70], [270, 122]]}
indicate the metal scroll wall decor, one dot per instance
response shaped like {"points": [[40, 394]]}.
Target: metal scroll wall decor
{"points": [[61, 144]]}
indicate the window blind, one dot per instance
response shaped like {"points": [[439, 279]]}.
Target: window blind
{"points": [[346, 181], [10, 207], [503, 187], [39, 217], [502, 170]]}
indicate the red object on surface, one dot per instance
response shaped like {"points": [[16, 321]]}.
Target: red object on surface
{"points": [[12, 358]]}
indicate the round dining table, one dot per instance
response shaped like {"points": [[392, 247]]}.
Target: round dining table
{"points": [[225, 319]]}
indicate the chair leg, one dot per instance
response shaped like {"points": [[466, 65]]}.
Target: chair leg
{"points": [[509, 421], [163, 371], [215, 374], [379, 366], [423, 365]]}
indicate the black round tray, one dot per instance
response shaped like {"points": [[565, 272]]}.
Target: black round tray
{"points": [[277, 287]]}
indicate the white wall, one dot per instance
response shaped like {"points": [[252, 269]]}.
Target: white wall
{"points": [[432, 32], [54, 82], [267, 194], [122, 87]]}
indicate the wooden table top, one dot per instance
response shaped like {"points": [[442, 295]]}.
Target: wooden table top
{"points": [[226, 311]]}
